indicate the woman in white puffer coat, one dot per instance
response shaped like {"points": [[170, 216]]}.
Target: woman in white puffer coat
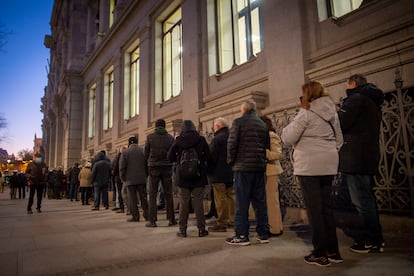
{"points": [[316, 137]]}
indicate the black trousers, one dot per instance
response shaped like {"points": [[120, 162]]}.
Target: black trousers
{"points": [[38, 188], [132, 191], [163, 175], [317, 193]]}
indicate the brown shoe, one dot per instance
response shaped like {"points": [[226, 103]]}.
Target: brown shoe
{"points": [[217, 228]]}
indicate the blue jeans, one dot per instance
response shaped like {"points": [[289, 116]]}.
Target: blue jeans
{"points": [[317, 193], [250, 188], [101, 191], [73, 191], [362, 196]]}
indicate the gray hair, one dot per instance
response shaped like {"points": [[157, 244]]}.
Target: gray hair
{"points": [[221, 122], [249, 105]]}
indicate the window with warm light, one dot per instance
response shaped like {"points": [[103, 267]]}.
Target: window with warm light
{"points": [[336, 8], [238, 31], [91, 114], [131, 92], [172, 56], [108, 101]]}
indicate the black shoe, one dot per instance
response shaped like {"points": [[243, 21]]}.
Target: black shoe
{"points": [[335, 258], [276, 235], [29, 211], [95, 209], [319, 261], [133, 220], [120, 211], [202, 232], [107, 207], [38, 210], [172, 223], [116, 209], [238, 240], [182, 233], [150, 224]]}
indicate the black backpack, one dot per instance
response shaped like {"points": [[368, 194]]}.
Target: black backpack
{"points": [[189, 164]]}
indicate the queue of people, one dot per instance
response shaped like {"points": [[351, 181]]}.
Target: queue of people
{"points": [[242, 163]]}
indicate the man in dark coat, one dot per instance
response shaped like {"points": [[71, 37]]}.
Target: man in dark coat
{"points": [[221, 177], [101, 175], [246, 154], [133, 174], [73, 179], [190, 138], [159, 169], [360, 117], [36, 173]]}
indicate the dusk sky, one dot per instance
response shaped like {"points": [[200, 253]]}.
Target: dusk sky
{"points": [[23, 73]]}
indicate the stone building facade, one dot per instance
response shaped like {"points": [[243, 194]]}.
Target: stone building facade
{"points": [[118, 66]]}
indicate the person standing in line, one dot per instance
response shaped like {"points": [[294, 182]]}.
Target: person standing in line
{"points": [[101, 174], [59, 179], [85, 182], [316, 137], [360, 116], [1, 183], [35, 174], [14, 184], [190, 184], [221, 177], [160, 172], [133, 173], [246, 154], [22, 185], [73, 179], [273, 170], [117, 180]]}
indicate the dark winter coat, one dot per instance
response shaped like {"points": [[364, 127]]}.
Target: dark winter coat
{"points": [[360, 117], [133, 166], [247, 144], [101, 171], [157, 146], [36, 173], [73, 175], [188, 139], [219, 170]]}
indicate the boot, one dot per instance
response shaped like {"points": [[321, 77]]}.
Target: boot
{"points": [[182, 233], [202, 232]]}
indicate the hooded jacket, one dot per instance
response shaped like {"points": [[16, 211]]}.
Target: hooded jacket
{"points": [[360, 116], [101, 170], [188, 138], [316, 137]]}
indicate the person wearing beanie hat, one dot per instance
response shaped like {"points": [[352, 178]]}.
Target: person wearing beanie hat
{"points": [[133, 174], [160, 171]]}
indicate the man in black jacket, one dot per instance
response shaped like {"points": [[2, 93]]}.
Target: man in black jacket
{"points": [[35, 173], [221, 177], [360, 117], [160, 171], [246, 154]]}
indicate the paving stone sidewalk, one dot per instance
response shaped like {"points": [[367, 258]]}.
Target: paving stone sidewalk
{"points": [[70, 239]]}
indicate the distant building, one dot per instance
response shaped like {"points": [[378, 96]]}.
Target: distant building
{"points": [[118, 66], [37, 148]]}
